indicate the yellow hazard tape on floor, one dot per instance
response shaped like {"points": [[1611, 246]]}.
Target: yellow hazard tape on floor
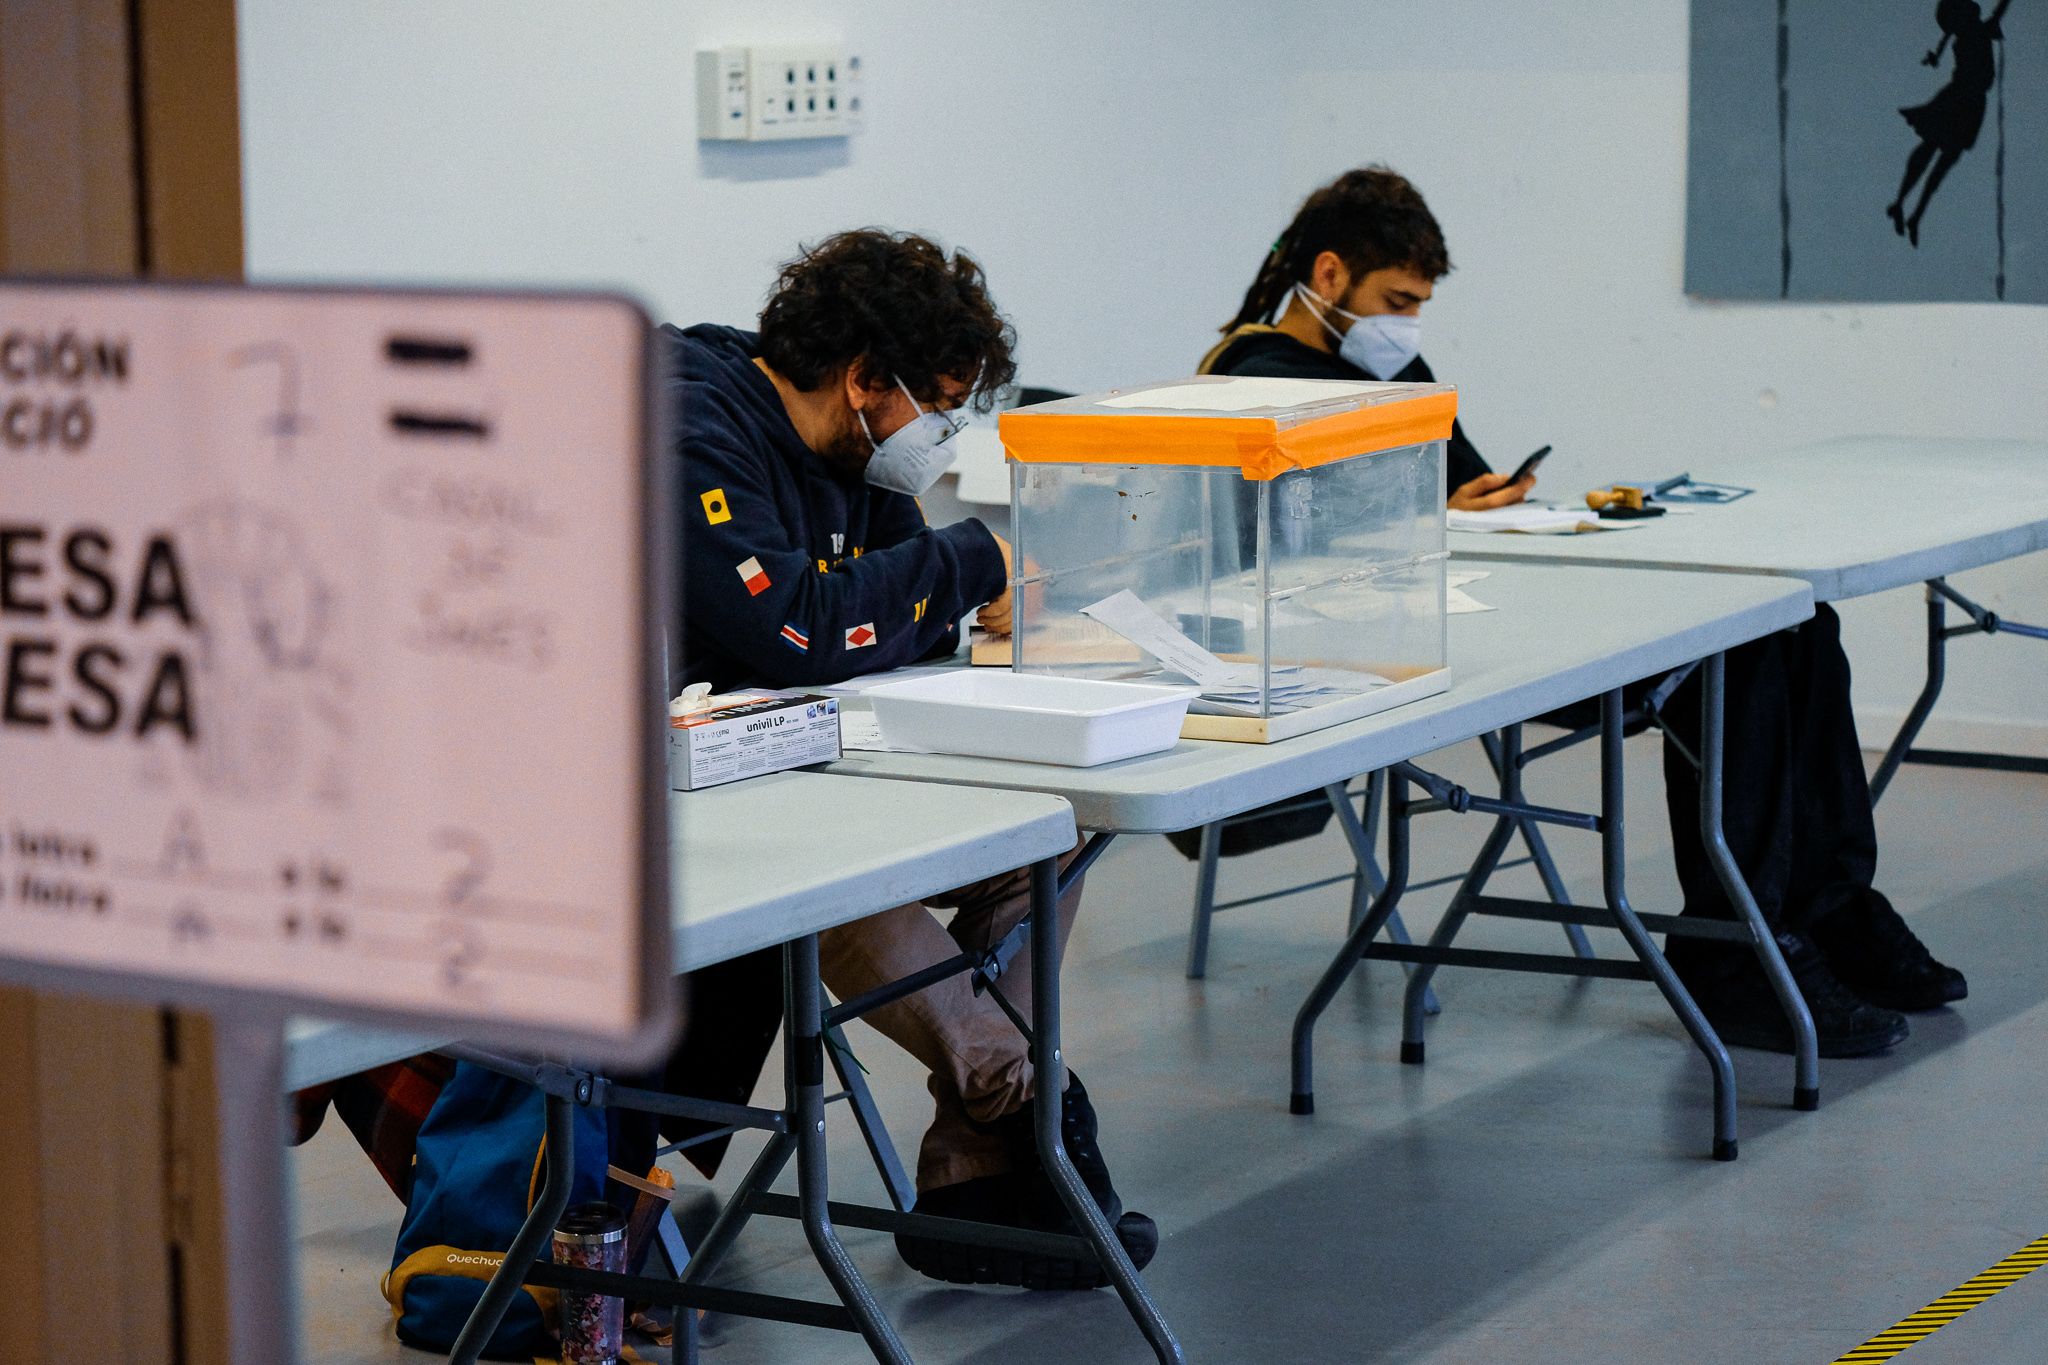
{"points": [[1951, 1305]]}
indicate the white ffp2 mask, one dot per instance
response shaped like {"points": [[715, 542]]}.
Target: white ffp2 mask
{"points": [[1381, 344], [913, 456]]}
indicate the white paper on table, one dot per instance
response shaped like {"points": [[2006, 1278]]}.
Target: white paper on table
{"points": [[1294, 686], [1239, 393], [1234, 688], [855, 687], [1458, 602], [1123, 613], [1530, 519], [861, 730], [1292, 681]]}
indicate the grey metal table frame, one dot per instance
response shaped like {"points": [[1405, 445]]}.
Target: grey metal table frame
{"points": [[1939, 633], [1366, 878], [1992, 498], [1635, 926], [1504, 752], [1197, 783], [797, 1130]]}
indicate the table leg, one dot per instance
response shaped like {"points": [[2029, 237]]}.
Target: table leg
{"points": [[725, 1229], [1359, 836], [804, 1076], [1362, 892], [1806, 1049], [1051, 1091], [902, 1192], [535, 1234], [675, 1250], [1614, 882], [1937, 670], [262, 1283], [1506, 753], [1205, 900], [1370, 881], [1366, 878], [1301, 1097], [1983, 621], [1415, 1002]]}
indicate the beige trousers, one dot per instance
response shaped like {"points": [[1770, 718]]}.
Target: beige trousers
{"points": [[976, 1057]]}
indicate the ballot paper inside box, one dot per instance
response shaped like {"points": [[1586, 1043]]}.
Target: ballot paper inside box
{"points": [[1278, 543], [748, 735]]}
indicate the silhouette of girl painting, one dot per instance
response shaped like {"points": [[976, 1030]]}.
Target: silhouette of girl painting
{"points": [[1947, 125]]}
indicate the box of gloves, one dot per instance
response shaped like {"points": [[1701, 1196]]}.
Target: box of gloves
{"points": [[718, 739]]}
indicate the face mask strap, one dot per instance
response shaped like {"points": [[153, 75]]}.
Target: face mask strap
{"points": [[1320, 309], [917, 406], [862, 417], [953, 423]]}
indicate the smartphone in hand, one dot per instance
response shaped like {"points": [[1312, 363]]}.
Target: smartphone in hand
{"points": [[1528, 466]]}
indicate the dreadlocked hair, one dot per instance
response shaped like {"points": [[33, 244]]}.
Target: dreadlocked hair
{"points": [[1372, 218]]}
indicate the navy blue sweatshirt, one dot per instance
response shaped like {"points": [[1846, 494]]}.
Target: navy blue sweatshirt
{"points": [[791, 575]]}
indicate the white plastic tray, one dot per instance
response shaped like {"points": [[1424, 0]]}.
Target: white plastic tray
{"points": [[992, 713]]}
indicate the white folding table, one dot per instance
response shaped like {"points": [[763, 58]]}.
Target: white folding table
{"points": [[1557, 637], [742, 884], [1850, 517]]}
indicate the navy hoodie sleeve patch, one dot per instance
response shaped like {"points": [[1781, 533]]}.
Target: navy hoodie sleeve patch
{"points": [[792, 578]]}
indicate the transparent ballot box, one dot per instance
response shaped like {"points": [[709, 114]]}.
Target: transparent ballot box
{"points": [[1277, 543]]}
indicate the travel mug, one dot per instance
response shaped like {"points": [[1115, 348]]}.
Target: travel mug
{"points": [[592, 1237]]}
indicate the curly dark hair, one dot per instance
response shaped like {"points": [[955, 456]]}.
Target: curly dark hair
{"points": [[1372, 218], [897, 305]]}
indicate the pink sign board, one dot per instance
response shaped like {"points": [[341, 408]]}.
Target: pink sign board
{"points": [[328, 655]]}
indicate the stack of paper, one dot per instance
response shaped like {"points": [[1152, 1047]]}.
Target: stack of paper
{"points": [[1292, 689], [1528, 518], [1239, 393], [1228, 689]]}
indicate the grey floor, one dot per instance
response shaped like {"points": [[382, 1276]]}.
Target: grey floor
{"points": [[1540, 1191]]}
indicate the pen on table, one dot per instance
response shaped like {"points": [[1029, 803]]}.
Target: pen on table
{"points": [[1665, 487]]}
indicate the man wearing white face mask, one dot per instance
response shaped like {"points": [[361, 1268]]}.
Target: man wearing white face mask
{"points": [[1343, 286], [1340, 296], [806, 557], [806, 560]]}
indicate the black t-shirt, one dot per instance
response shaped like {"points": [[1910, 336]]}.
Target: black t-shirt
{"points": [[1276, 355]]}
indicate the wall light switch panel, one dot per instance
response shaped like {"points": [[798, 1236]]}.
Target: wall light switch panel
{"points": [[762, 94]]}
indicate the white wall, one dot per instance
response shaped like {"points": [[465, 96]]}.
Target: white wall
{"points": [[531, 140], [1120, 169]]}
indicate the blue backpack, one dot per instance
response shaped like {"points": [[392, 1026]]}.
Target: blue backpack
{"points": [[476, 1174]]}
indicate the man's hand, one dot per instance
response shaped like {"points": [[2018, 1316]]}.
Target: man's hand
{"points": [[1490, 490], [997, 617]]}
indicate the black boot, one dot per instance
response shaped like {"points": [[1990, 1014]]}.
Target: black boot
{"points": [[1026, 1198], [1877, 956], [1080, 1133], [1737, 999]]}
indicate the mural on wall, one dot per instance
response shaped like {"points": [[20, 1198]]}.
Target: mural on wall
{"points": [[1868, 150]]}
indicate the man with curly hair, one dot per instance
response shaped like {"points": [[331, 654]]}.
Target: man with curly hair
{"points": [[806, 560]]}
